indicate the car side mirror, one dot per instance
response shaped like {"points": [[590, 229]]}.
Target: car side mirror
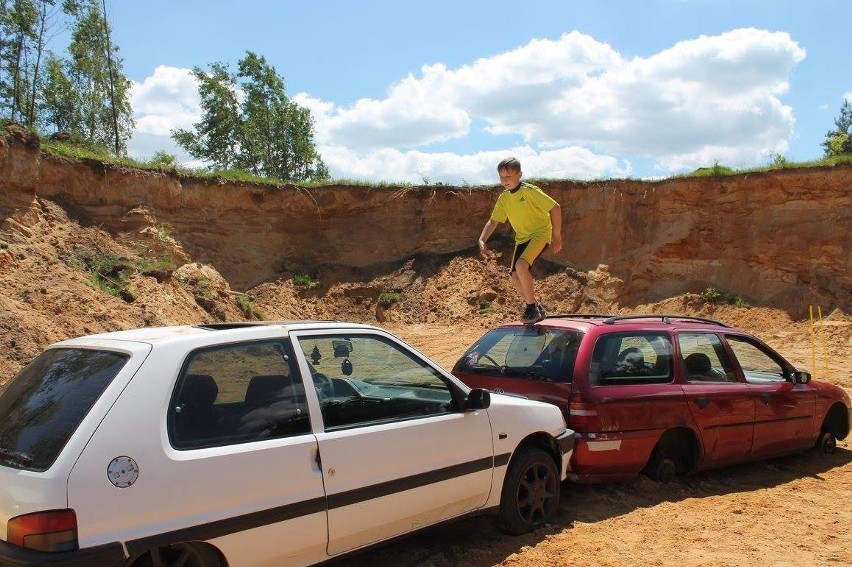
{"points": [[801, 377], [477, 399]]}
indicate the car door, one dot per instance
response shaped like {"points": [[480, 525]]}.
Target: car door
{"points": [[784, 411], [722, 406], [396, 452]]}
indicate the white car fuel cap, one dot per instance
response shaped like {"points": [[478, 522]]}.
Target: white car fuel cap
{"points": [[122, 472]]}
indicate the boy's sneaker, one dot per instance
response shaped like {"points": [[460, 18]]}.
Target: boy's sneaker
{"points": [[530, 314], [533, 314]]}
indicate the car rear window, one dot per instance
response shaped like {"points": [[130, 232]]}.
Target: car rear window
{"points": [[631, 358], [43, 405], [524, 352]]}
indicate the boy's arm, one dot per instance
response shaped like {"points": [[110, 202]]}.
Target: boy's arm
{"points": [[556, 222], [487, 230]]}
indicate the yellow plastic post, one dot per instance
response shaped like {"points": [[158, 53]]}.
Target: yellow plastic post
{"points": [[813, 340], [822, 342]]}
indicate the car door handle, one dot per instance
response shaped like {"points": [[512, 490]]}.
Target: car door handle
{"points": [[701, 402], [766, 398]]}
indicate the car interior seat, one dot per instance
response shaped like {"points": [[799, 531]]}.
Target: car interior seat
{"points": [[196, 418], [698, 366], [552, 357], [267, 388], [273, 404]]}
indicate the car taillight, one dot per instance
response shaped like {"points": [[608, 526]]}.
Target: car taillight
{"points": [[54, 530], [582, 416]]}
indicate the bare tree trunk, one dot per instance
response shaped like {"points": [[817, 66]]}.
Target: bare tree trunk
{"points": [[16, 76], [2, 44], [39, 51], [111, 81]]}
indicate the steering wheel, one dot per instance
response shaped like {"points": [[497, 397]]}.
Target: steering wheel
{"points": [[323, 385], [489, 359]]}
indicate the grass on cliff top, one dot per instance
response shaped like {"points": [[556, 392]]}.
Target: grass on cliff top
{"points": [[778, 162], [165, 163], [162, 164]]}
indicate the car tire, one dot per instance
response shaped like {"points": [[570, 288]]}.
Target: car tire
{"points": [[662, 469], [530, 494], [827, 443], [180, 554]]}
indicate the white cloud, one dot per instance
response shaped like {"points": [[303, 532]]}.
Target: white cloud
{"points": [[480, 168], [573, 107], [166, 100]]}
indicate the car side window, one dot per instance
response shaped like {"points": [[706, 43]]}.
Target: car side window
{"points": [[236, 394], [704, 359], [367, 379], [758, 366], [631, 358]]}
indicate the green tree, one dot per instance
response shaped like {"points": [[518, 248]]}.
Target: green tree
{"points": [[89, 93], [839, 140], [263, 131], [23, 28], [18, 22], [163, 159], [215, 138], [59, 97]]}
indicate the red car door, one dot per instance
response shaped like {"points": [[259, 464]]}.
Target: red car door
{"points": [[722, 406], [724, 415], [784, 411]]}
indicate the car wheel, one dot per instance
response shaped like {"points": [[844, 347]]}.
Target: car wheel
{"points": [[827, 443], [179, 555], [530, 492], [662, 469]]}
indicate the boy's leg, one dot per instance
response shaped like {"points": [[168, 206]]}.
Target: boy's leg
{"points": [[522, 259], [523, 281]]}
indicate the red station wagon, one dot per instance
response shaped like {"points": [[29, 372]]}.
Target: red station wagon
{"points": [[659, 394]]}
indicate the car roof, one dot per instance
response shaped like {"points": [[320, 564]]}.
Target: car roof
{"points": [[649, 321], [225, 331]]}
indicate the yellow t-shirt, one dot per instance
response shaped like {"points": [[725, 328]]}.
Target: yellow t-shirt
{"points": [[527, 209]]}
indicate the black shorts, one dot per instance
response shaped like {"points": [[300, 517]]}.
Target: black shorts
{"points": [[529, 251]]}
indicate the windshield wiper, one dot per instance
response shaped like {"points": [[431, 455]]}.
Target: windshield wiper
{"points": [[15, 457], [482, 369], [526, 373]]}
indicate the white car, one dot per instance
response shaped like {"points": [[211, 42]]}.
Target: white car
{"points": [[257, 444]]}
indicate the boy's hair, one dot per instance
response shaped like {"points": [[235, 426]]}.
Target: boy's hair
{"points": [[510, 163]]}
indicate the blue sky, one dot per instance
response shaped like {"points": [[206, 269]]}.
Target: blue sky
{"points": [[440, 91]]}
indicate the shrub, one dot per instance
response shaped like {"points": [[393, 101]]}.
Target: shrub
{"points": [[250, 310], [203, 288], [164, 160], [388, 298], [163, 262], [303, 280], [716, 171], [778, 160], [108, 272], [711, 295]]}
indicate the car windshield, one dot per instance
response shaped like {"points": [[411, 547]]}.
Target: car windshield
{"points": [[43, 405], [538, 353]]}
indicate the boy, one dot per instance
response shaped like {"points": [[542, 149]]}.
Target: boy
{"points": [[537, 221]]}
